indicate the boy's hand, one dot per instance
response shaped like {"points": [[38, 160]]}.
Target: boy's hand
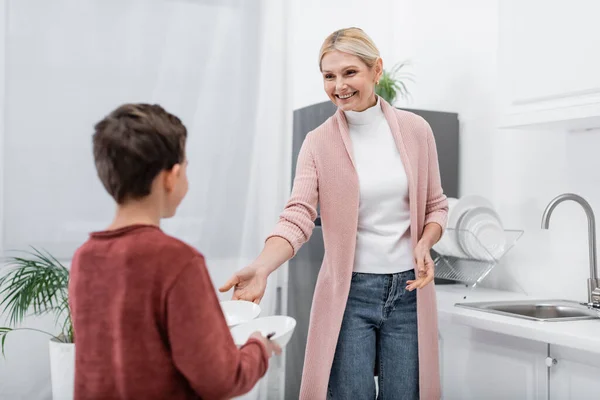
{"points": [[272, 347], [249, 283]]}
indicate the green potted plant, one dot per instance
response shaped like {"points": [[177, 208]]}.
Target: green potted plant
{"points": [[392, 83], [37, 284]]}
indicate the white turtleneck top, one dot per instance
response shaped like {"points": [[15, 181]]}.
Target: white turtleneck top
{"points": [[383, 243]]}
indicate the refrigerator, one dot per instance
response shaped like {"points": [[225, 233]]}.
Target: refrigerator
{"points": [[304, 267]]}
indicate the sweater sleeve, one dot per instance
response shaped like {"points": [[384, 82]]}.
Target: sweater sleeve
{"points": [[296, 222], [436, 209], [201, 344]]}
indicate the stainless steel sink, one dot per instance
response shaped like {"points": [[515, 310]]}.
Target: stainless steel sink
{"points": [[536, 310]]}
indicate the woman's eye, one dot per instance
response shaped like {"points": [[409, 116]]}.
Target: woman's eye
{"points": [[328, 76], [350, 72]]}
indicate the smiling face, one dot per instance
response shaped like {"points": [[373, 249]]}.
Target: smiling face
{"points": [[348, 81]]}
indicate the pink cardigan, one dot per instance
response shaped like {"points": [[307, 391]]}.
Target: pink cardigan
{"points": [[325, 174]]}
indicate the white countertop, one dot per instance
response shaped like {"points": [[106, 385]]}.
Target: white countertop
{"points": [[583, 335]]}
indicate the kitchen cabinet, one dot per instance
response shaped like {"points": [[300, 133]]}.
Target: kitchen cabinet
{"points": [[478, 364], [574, 374], [548, 63]]}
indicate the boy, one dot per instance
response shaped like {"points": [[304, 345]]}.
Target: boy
{"points": [[147, 321]]}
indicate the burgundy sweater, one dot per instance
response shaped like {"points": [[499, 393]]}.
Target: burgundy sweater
{"points": [[148, 324]]}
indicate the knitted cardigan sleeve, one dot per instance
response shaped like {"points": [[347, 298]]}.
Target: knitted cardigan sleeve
{"points": [[436, 209], [296, 222]]}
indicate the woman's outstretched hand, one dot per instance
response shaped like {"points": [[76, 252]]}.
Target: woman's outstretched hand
{"points": [[249, 284]]}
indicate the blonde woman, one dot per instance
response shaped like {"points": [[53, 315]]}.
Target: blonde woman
{"points": [[373, 170]]}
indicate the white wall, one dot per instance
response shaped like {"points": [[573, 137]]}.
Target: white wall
{"points": [[453, 46], [532, 167]]}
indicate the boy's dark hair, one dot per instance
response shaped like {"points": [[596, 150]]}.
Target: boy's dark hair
{"points": [[133, 144]]}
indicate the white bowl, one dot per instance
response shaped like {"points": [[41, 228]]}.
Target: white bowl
{"points": [[239, 311], [455, 243], [464, 204], [282, 325], [484, 237]]}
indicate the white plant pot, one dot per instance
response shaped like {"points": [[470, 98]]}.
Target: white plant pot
{"points": [[62, 369]]}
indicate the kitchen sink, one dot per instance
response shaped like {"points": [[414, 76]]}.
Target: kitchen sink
{"points": [[536, 310]]}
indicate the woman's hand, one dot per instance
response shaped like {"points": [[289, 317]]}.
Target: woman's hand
{"points": [[425, 266], [249, 284]]}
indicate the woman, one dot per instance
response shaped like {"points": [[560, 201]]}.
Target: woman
{"points": [[366, 313]]}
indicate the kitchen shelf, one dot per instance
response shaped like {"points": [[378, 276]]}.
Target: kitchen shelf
{"points": [[575, 117], [457, 263]]}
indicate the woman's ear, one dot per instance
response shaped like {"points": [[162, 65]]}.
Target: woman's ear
{"points": [[378, 69]]}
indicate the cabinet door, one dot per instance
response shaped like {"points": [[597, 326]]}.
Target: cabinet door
{"points": [[548, 59], [576, 374], [478, 364]]}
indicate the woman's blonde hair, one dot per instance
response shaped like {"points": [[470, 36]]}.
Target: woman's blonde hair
{"points": [[352, 41]]}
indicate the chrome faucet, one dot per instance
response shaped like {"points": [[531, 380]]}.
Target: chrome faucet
{"points": [[593, 286]]}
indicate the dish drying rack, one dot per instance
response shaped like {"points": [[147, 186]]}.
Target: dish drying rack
{"points": [[459, 266]]}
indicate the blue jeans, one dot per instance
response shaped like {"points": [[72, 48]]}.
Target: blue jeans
{"points": [[379, 331]]}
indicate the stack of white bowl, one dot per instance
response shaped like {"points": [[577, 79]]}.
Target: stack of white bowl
{"points": [[475, 230], [243, 321]]}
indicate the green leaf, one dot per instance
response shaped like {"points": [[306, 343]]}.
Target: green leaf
{"points": [[391, 83], [399, 66], [3, 332], [35, 282], [402, 87], [38, 283]]}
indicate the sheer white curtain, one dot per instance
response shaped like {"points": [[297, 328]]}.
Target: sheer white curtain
{"points": [[218, 64]]}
